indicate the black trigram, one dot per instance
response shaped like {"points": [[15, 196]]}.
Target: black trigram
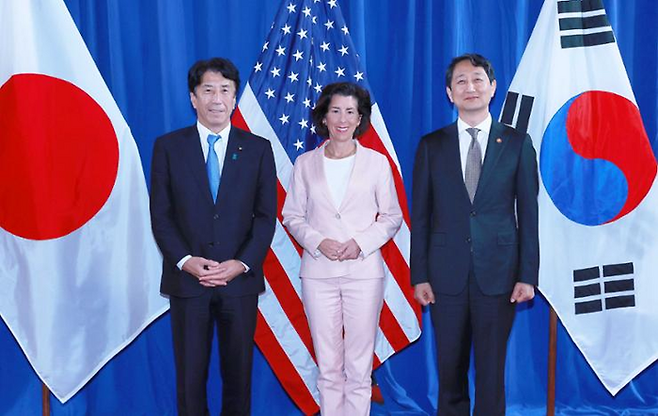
{"points": [[583, 23], [516, 113], [615, 290]]}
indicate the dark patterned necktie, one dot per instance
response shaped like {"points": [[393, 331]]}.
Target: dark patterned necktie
{"points": [[473, 163]]}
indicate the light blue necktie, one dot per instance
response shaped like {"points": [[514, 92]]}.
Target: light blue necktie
{"points": [[212, 166]]}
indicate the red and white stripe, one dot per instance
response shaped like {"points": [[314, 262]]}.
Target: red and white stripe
{"points": [[282, 333]]}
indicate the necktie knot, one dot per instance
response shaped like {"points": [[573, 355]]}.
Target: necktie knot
{"points": [[473, 132], [212, 139]]}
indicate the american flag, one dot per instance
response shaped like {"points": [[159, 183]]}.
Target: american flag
{"points": [[308, 47]]}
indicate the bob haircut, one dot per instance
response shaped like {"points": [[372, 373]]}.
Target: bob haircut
{"points": [[346, 89]]}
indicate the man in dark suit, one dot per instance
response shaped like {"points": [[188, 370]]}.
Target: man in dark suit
{"points": [[474, 240], [213, 209]]}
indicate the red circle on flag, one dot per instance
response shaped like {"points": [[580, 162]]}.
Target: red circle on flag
{"points": [[59, 157]]}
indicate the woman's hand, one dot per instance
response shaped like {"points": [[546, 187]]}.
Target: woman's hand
{"points": [[331, 249], [349, 250]]}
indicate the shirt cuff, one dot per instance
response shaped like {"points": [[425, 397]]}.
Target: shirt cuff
{"points": [[182, 262], [246, 268]]}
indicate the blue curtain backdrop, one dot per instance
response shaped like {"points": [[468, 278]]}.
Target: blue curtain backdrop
{"points": [[144, 48]]}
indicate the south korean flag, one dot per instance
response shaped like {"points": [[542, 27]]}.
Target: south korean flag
{"points": [[598, 200]]}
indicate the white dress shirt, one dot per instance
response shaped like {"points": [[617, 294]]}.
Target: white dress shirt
{"points": [[220, 145], [465, 139]]}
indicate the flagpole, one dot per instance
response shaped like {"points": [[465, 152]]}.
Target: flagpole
{"points": [[45, 400], [552, 360]]}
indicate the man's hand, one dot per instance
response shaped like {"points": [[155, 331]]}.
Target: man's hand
{"points": [[424, 294], [224, 273], [349, 250], [522, 292], [200, 267], [331, 249]]}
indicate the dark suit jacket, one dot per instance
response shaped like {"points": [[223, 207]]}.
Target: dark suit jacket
{"points": [[498, 231], [186, 221]]}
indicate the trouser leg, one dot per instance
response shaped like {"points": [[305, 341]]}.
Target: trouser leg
{"points": [[491, 319], [191, 327], [236, 325], [323, 306], [362, 304], [450, 317]]}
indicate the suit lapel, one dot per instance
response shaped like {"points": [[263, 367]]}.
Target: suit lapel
{"points": [[496, 145], [232, 159], [191, 148], [318, 172], [359, 170], [453, 158]]}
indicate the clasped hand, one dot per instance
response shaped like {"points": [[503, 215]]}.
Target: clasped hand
{"points": [[212, 273], [333, 250]]}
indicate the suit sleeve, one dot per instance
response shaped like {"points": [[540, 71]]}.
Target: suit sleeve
{"points": [[389, 216], [421, 212], [527, 188], [295, 214], [255, 248], [165, 228]]}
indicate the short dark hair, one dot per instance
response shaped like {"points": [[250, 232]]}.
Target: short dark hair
{"points": [[346, 89], [221, 65], [475, 60]]}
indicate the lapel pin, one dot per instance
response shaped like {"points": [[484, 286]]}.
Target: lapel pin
{"points": [[234, 156], [499, 140]]}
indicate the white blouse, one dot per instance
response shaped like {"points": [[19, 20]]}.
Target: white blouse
{"points": [[338, 172]]}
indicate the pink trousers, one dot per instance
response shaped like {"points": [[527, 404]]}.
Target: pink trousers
{"points": [[343, 315]]}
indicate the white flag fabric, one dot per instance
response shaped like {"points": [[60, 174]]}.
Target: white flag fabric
{"points": [[598, 202], [79, 268]]}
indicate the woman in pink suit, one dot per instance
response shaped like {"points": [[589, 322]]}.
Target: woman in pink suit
{"points": [[342, 207]]}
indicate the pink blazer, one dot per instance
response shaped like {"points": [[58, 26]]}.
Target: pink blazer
{"points": [[370, 213]]}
